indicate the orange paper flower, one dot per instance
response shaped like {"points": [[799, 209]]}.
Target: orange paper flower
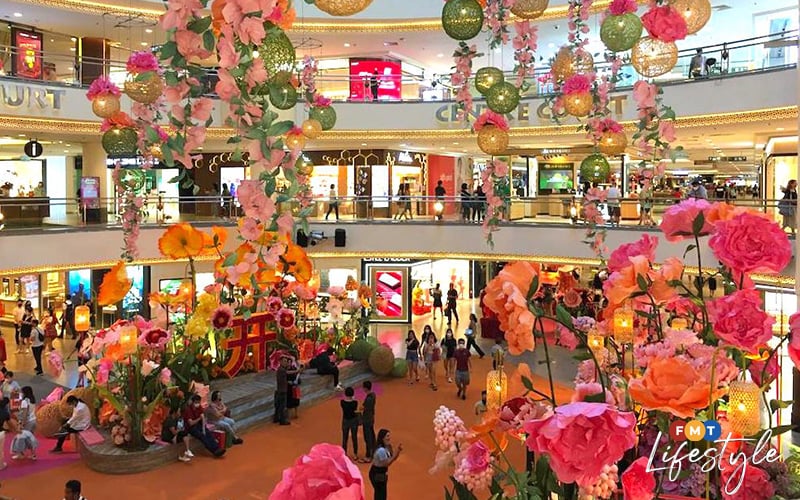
{"points": [[217, 19], [214, 243], [181, 241], [296, 262], [115, 285]]}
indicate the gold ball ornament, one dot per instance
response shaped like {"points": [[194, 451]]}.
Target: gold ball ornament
{"points": [[492, 140], [529, 9], [652, 57], [342, 8], [578, 104], [146, 90], [295, 141], [612, 143], [567, 63], [305, 169], [105, 106], [696, 13], [311, 128]]}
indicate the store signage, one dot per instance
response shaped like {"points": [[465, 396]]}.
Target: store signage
{"points": [[404, 157], [19, 96], [33, 149], [448, 113], [397, 260], [727, 158]]}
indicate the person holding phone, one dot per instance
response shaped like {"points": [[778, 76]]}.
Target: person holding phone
{"points": [[384, 457]]}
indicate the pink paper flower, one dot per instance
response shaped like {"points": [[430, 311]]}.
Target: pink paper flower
{"points": [[102, 86], [584, 390], [178, 13], [222, 317], [320, 101], [739, 320], [756, 484], [678, 221], [581, 439], [666, 131], [165, 376], [619, 7], [749, 244], [155, 338], [665, 24], [489, 117], [767, 369], [325, 473], [141, 62], [577, 84], [645, 94], [620, 258], [637, 482], [201, 109], [794, 340], [474, 467]]}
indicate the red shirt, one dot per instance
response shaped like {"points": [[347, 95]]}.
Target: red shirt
{"points": [[191, 413], [462, 359]]}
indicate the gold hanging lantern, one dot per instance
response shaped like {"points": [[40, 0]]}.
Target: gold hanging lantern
{"points": [[311, 128], [612, 143], [492, 140], [342, 7], [595, 341], [651, 57], [128, 338], [578, 103], [696, 13], [144, 89], [567, 63], [623, 325], [744, 407], [295, 141], [105, 106], [305, 169], [496, 389], [83, 319], [529, 9]]}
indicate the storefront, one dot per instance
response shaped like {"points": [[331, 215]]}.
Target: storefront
{"points": [[780, 166]]}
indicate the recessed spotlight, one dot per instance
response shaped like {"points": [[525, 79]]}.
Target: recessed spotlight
{"points": [[455, 144], [52, 41], [441, 147], [17, 14], [66, 150], [439, 55], [148, 30], [363, 143], [73, 39], [551, 45], [144, 44], [403, 145], [20, 135], [68, 145], [346, 44], [780, 129], [255, 54], [72, 49]]}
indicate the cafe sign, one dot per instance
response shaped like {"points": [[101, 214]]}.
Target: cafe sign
{"points": [[528, 113]]}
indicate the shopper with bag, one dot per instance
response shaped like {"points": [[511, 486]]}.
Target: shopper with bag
{"points": [[470, 334], [384, 457]]}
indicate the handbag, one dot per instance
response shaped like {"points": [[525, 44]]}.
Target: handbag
{"points": [[296, 392], [468, 332]]}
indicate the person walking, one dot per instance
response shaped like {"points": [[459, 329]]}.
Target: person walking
{"points": [[406, 198], [449, 347], [463, 366], [333, 202], [431, 354], [466, 202], [613, 196], [350, 421], [37, 345], [19, 313], [697, 65], [385, 456], [49, 324], [787, 207], [26, 326], [452, 304], [227, 201], [368, 420], [470, 333], [439, 193], [646, 206], [400, 202], [436, 293], [412, 357], [478, 204], [698, 191]]}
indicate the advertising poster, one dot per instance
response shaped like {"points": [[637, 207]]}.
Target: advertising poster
{"points": [[28, 56], [390, 293], [30, 286], [90, 192], [79, 285], [132, 302], [375, 80]]}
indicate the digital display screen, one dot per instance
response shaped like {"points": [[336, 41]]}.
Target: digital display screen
{"points": [[375, 80], [79, 285], [132, 302], [555, 179], [28, 57], [389, 293]]}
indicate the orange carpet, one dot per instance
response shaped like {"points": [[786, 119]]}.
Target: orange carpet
{"points": [[250, 471]]}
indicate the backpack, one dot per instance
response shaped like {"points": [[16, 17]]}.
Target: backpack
{"points": [[40, 334]]}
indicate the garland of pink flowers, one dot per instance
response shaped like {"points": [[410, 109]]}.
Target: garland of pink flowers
{"points": [[494, 179], [495, 20], [130, 205], [462, 72], [525, 44]]}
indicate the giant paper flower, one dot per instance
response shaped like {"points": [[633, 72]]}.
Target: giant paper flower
{"points": [[749, 244], [325, 473], [181, 241], [581, 439], [678, 221], [115, 285], [506, 295], [739, 320], [638, 482], [620, 258], [665, 24], [673, 385], [296, 262]]}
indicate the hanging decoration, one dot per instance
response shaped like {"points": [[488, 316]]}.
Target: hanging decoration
{"points": [[569, 62], [295, 139], [595, 168], [503, 98], [492, 129], [744, 407], [529, 9], [621, 28], [577, 91], [120, 141], [488, 77], [462, 19], [341, 8], [525, 44], [664, 23], [104, 95], [144, 83], [282, 96], [696, 13], [311, 128], [652, 57], [497, 187], [277, 52], [460, 79], [323, 112], [495, 15], [128, 183]]}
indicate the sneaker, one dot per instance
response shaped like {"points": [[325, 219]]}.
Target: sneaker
{"points": [[338, 387], [449, 380], [184, 458], [189, 453], [219, 454], [238, 441]]}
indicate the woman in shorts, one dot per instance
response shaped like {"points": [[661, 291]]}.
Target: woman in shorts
{"points": [[412, 357]]}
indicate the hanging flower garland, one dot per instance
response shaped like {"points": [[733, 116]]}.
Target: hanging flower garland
{"points": [[130, 204], [655, 131], [462, 72], [497, 188], [495, 20], [525, 44]]}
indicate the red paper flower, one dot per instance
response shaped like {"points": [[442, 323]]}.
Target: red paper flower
{"points": [[577, 84], [620, 7], [489, 117], [665, 24]]}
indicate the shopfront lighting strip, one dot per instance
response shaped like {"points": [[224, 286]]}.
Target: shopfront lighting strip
{"points": [[344, 26], [75, 127]]}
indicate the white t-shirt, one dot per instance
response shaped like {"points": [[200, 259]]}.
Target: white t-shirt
{"points": [[35, 342], [26, 406], [19, 312], [613, 196], [9, 387], [81, 419]]}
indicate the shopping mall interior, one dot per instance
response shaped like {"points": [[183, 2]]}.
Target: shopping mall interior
{"points": [[241, 197]]}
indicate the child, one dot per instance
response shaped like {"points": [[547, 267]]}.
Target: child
{"points": [[498, 353], [172, 432], [23, 440]]}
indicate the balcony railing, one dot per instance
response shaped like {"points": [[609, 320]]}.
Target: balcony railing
{"points": [[64, 214], [770, 52]]}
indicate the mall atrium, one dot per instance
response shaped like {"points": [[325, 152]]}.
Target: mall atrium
{"points": [[357, 249]]}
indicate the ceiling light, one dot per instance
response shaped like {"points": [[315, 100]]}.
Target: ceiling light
{"points": [[760, 146], [780, 129], [346, 44], [148, 30], [441, 147], [17, 14], [73, 39], [72, 49], [144, 44], [66, 150], [52, 41], [439, 55], [363, 143], [455, 144], [403, 145]]}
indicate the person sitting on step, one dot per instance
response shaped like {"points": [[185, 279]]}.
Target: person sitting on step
{"points": [[322, 362], [80, 420], [219, 416], [195, 421]]}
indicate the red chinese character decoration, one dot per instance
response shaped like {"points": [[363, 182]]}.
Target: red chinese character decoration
{"points": [[249, 335]]}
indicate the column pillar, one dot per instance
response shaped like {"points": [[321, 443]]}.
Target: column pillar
{"points": [[795, 374], [94, 165]]}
